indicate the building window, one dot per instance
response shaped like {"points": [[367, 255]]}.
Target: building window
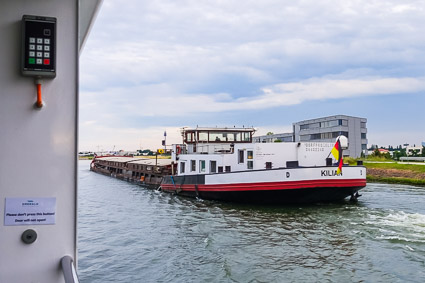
{"points": [[250, 164], [201, 166], [323, 136], [182, 166], [364, 146], [228, 169], [363, 125], [193, 165], [268, 165], [241, 156], [220, 169], [309, 126], [363, 135], [213, 166]]}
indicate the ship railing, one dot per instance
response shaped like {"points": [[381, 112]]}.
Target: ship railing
{"points": [[69, 272]]}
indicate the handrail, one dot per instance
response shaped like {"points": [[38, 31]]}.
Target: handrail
{"points": [[69, 272]]}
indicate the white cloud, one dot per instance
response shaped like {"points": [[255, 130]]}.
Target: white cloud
{"points": [[183, 59], [104, 138], [162, 100]]}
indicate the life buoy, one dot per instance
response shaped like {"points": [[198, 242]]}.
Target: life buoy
{"points": [[178, 149], [142, 178]]}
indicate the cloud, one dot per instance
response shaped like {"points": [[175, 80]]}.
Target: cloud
{"points": [[197, 43], [180, 62], [104, 138], [163, 100]]}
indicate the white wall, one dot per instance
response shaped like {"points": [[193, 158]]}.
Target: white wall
{"points": [[39, 147], [306, 153]]}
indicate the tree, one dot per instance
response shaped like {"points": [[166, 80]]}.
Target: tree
{"points": [[376, 153], [269, 133]]}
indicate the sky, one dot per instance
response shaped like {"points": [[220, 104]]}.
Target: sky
{"points": [[154, 66]]}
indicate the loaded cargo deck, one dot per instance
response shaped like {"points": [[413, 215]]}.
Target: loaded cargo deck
{"points": [[144, 171]]}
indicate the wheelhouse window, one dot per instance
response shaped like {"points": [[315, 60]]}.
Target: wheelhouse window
{"points": [[217, 137], [190, 137], [213, 166], [203, 136], [268, 165], [220, 169], [182, 166], [241, 156], [201, 166], [193, 165], [246, 137], [228, 168]]}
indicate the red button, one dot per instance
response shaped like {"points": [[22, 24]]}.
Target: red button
{"points": [[46, 61]]}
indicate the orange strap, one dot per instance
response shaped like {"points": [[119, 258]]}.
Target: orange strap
{"points": [[39, 100]]}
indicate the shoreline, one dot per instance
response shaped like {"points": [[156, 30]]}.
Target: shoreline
{"points": [[393, 173]]}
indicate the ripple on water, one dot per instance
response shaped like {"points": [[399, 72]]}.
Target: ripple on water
{"points": [[130, 234]]}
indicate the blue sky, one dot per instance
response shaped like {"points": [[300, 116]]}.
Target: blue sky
{"points": [[150, 66]]}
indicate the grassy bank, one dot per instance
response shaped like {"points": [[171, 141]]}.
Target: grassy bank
{"points": [[395, 180], [395, 173]]}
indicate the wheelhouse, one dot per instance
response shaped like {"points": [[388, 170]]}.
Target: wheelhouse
{"points": [[217, 135]]}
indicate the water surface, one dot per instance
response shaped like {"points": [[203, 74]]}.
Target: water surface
{"points": [[130, 234]]}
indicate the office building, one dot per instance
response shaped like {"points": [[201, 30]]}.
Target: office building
{"points": [[327, 129]]}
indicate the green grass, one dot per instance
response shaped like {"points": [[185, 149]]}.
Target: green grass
{"points": [[393, 165], [394, 180]]}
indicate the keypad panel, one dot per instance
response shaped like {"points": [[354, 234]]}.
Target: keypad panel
{"points": [[39, 46]]}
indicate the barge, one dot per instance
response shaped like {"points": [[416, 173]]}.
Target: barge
{"points": [[224, 164], [143, 171]]}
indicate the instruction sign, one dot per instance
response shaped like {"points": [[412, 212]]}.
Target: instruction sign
{"points": [[29, 211]]}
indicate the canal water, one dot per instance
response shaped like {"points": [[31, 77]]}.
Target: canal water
{"points": [[131, 234]]}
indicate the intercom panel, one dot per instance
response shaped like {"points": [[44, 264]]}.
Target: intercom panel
{"points": [[38, 46]]}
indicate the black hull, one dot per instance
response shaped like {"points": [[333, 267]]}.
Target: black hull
{"points": [[296, 196]]}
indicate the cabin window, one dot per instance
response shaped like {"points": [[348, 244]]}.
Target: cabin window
{"points": [[190, 136], [213, 166], [228, 168], [193, 165], [250, 154], [250, 164], [217, 137], [201, 166], [182, 166], [241, 156], [220, 169], [203, 136], [246, 137], [268, 165]]}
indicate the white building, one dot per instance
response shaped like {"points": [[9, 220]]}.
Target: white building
{"points": [[327, 129]]}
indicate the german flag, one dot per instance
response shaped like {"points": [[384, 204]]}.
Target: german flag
{"points": [[337, 153]]}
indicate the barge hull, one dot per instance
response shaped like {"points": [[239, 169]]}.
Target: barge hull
{"points": [[297, 190]]}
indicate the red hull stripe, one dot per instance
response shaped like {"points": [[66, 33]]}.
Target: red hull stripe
{"points": [[268, 186]]}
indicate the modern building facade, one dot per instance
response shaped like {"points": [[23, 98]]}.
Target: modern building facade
{"points": [[327, 129]]}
